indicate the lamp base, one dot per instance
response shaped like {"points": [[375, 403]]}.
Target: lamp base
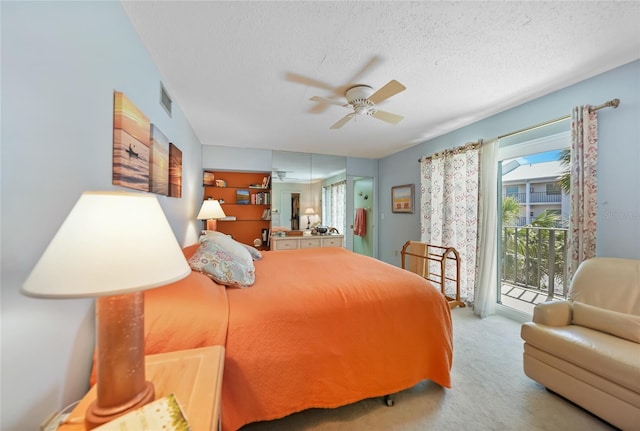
{"points": [[96, 416], [121, 385]]}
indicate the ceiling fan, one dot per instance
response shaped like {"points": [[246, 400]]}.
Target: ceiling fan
{"points": [[363, 102], [335, 91]]}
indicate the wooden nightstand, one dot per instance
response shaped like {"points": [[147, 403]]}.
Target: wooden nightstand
{"points": [[193, 376]]}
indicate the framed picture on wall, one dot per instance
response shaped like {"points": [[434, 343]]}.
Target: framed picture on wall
{"points": [[402, 198]]}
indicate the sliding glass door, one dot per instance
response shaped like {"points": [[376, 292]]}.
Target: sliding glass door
{"points": [[534, 213]]}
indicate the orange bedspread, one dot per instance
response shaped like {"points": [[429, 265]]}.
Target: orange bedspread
{"points": [[320, 327], [325, 327]]}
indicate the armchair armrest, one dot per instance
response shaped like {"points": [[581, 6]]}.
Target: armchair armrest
{"points": [[553, 313]]}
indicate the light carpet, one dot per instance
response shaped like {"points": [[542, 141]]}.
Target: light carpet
{"points": [[489, 392]]}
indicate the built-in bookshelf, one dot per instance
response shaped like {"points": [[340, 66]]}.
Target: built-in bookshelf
{"points": [[245, 199]]}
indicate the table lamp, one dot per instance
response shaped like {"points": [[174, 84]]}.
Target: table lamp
{"points": [[112, 245], [211, 210], [309, 212]]}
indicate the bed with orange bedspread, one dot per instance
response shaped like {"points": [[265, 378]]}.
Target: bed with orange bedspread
{"points": [[320, 327]]}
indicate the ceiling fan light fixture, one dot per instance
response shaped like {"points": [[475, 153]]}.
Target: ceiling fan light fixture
{"points": [[362, 99]]}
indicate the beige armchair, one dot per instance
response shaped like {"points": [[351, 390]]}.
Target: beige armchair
{"points": [[587, 348]]}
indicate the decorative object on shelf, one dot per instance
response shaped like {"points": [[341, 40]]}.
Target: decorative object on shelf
{"points": [[74, 267], [309, 212], [208, 178], [402, 198], [242, 197], [211, 211], [257, 242], [221, 183]]}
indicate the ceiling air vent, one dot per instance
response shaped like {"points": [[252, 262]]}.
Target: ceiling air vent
{"points": [[165, 99]]}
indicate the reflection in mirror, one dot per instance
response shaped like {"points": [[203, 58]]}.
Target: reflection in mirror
{"points": [[303, 191], [330, 180]]}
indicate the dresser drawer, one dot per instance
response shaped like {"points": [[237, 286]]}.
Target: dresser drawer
{"points": [[310, 242], [332, 242], [284, 244]]}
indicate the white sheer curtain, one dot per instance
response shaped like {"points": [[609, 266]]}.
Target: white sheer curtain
{"points": [[449, 207], [581, 244], [487, 262]]}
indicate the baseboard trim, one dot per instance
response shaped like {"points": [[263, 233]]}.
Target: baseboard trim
{"points": [[513, 314]]}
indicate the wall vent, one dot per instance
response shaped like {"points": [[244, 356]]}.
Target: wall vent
{"points": [[165, 99]]}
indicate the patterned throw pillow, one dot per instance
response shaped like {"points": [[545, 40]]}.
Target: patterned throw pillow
{"points": [[225, 265], [231, 244], [254, 252]]}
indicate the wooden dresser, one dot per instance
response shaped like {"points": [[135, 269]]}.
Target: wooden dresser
{"points": [[296, 242]]}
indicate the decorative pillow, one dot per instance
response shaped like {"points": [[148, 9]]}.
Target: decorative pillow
{"points": [[254, 252], [232, 245], [621, 325], [219, 262]]}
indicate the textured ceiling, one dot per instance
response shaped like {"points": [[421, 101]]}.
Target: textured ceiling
{"points": [[229, 65]]}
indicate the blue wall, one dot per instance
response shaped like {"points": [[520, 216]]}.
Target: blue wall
{"points": [[61, 62], [618, 160]]}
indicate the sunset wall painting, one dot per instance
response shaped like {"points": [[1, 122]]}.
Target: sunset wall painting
{"points": [[159, 162], [131, 142], [175, 171], [143, 157]]}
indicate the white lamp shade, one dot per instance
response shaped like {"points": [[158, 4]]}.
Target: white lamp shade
{"points": [[110, 243], [211, 209], [309, 211]]}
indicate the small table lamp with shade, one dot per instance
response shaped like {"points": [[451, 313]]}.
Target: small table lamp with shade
{"points": [[309, 212], [112, 245], [211, 210]]}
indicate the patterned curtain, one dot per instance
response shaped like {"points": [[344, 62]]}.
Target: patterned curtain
{"points": [[335, 196], [449, 207], [584, 156]]}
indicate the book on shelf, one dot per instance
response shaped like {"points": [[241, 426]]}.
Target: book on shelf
{"points": [[228, 218], [266, 214]]}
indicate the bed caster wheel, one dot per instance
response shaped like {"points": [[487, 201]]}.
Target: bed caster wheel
{"points": [[388, 400]]}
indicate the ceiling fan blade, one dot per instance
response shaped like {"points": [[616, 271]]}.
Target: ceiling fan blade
{"points": [[342, 89], [375, 59], [388, 117], [304, 80], [392, 87], [342, 121], [333, 102]]}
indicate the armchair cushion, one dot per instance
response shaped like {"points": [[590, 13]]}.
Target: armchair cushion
{"points": [[621, 325]]}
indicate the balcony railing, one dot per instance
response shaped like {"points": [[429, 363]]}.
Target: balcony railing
{"points": [[536, 197], [535, 258]]}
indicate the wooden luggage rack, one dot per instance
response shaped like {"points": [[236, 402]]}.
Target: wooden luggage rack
{"points": [[417, 256]]}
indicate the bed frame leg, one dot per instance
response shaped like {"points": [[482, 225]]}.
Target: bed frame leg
{"points": [[388, 400]]}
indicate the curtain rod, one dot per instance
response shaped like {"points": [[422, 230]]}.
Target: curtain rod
{"points": [[459, 149], [611, 103]]}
